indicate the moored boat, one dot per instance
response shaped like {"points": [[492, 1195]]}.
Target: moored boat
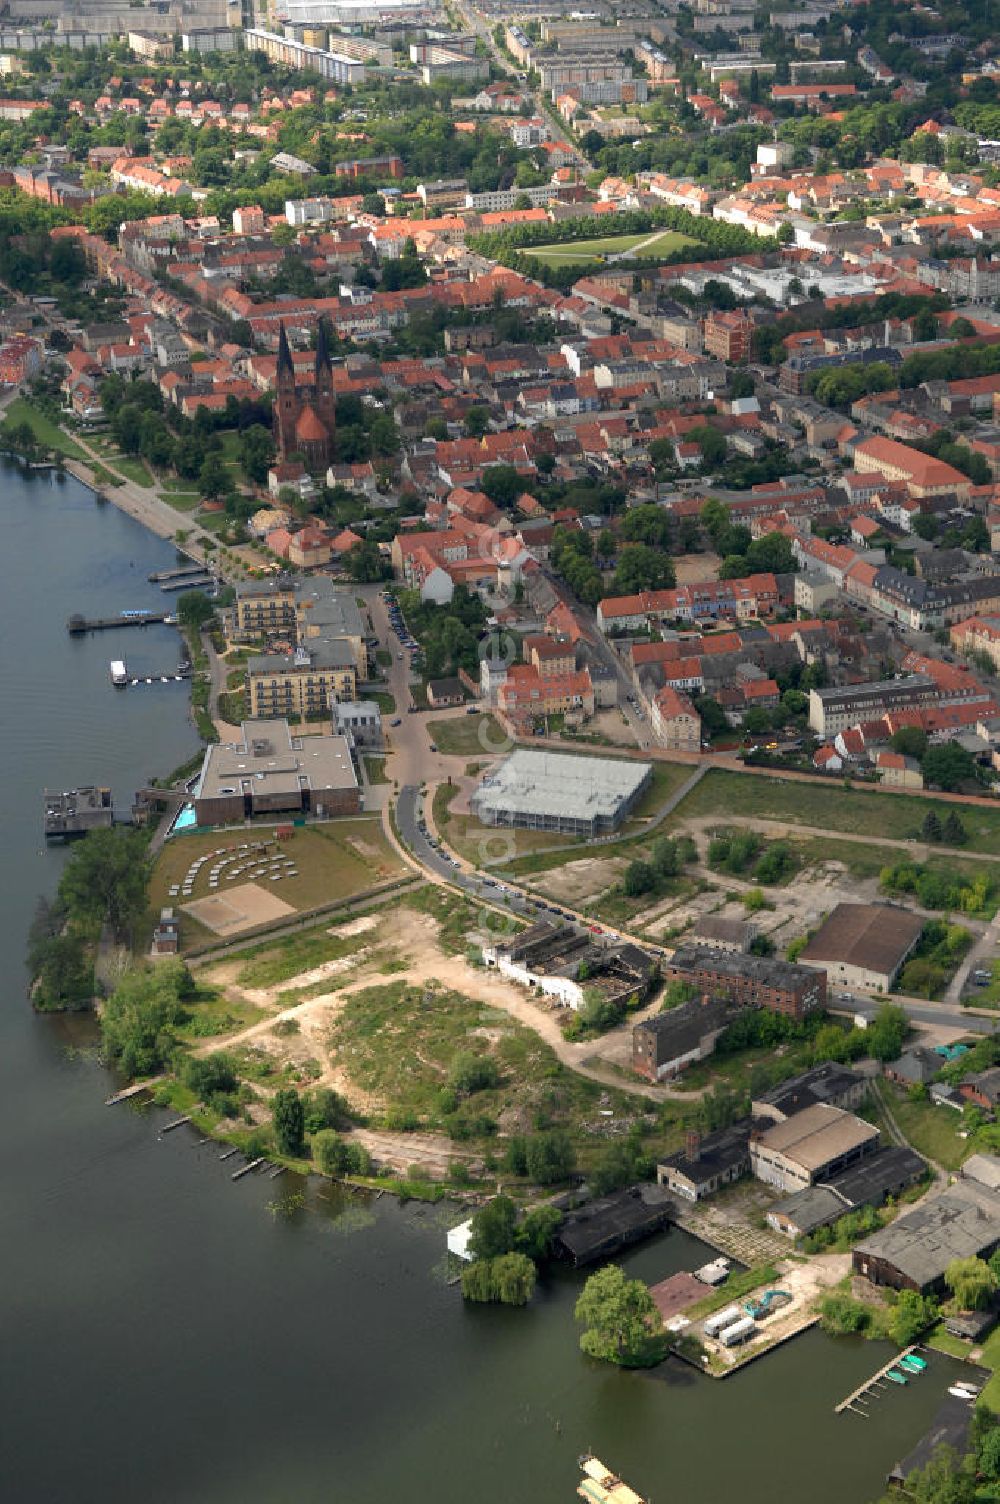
{"points": [[896, 1377]]}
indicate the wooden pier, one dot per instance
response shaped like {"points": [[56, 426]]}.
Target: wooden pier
{"points": [[177, 1123], [78, 625], [189, 582], [874, 1382], [254, 1164], [131, 1091], [182, 572]]}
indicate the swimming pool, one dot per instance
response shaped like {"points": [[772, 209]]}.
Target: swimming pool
{"points": [[186, 819]]}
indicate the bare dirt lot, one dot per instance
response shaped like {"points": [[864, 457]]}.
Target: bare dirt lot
{"points": [[239, 909]]}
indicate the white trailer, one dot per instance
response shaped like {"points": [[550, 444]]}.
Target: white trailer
{"points": [[739, 1332], [718, 1322]]}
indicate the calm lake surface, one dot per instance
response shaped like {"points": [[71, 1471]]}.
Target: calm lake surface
{"points": [[169, 1336]]}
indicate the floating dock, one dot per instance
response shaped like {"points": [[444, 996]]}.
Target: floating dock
{"points": [[599, 1485], [180, 573], [78, 625], [872, 1383], [189, 582], [76, 811]]}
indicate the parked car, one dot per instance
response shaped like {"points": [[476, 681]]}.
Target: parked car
{"points": [[396, 722]]}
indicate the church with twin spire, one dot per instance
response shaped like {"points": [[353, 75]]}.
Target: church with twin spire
{"points": [[305, 412]]}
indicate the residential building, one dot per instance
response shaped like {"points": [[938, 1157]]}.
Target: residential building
{"points": [[728, 334], [675, 720], [303, 684]]}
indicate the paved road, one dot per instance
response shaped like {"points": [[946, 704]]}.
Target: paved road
{"points": [[483, 27]]}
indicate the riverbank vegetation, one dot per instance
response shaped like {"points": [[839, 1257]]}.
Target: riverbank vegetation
{"points": [[620, 1320], [103, 888]]}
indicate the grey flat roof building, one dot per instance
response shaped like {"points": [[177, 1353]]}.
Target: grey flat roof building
{"points": [[269, 769], [914, 1251], [557, 791]]}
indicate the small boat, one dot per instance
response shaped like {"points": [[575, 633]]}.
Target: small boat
{"points": [[912, 1361], [969, 1388], [896, 1377], [910, 1367], [961, 1394]]}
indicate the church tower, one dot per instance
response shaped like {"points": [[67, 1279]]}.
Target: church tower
{"points": [[286, 404], [324, 399]]}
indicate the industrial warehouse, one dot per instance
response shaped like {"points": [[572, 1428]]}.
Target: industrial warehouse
{"points": [[577, 796]]}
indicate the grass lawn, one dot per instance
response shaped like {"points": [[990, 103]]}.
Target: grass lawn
{"points": [[991, 1359], [398, 1043], [944, 1342], [853, 811], [334, 860], [385, 702], [376, 769], [468, 736], [932, 1131], [595, 252], [46, 432]]}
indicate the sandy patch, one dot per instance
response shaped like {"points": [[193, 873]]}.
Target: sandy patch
{"points": [[355, 927], [239, 909]]}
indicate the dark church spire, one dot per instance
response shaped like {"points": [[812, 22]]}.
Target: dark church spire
{"points": [[322, 351], [285, 366]]}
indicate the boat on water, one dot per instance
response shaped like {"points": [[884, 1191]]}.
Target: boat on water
{"points": [[969, 1387], [119, 672], [896, 1377], [962, 1394], [599, 1485], [913, 1361], [912, 1367]]}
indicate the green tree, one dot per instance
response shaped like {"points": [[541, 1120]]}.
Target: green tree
{"points": [[910, 740], [289, 1122], [139, 1019], [953, 832], [620, 1320], [508, 1279], [536, 1232], [931, 828], [195, 610], [476, 422], [911, 1316], [887, 1032], [106, 879], [550, 1157], [493, 1228], [948, 766], [971, 1281]]}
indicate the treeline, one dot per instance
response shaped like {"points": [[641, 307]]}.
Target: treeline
{"points": [[105, 882], [714, 241]]}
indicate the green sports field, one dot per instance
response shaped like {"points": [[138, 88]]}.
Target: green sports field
{"points": [[596, 252]]}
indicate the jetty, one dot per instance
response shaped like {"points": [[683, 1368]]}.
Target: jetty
{"points": [[177, 1123], [180, 573], [77, 625], [874, 1382], [76, 811], [131, 1091], [254, 1164], [599, 1485], [189, 582]]}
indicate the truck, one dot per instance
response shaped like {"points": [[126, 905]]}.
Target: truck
{"points": [[719, 1320], [739, 1332]]}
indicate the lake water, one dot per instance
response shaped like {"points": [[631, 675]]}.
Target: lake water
{"points": [[168, 1335]]}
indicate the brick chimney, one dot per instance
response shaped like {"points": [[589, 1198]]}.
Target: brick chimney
{"points": [[692, 1145]]}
